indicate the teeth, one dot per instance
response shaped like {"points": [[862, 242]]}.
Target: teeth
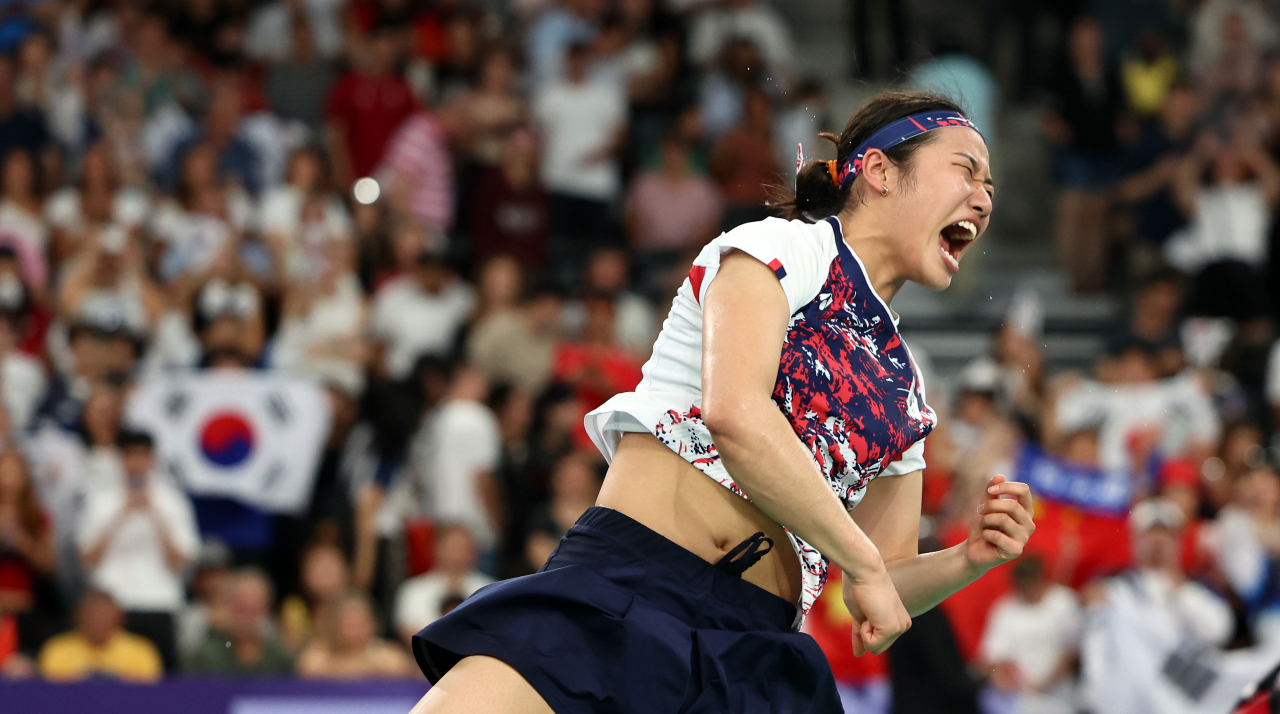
{"points": [[973, 230]]}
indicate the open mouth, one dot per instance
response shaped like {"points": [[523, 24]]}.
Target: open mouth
{"points": [[954, 240]]}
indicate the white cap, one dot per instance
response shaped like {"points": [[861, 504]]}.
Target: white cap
{"points": [[1156, 512]]}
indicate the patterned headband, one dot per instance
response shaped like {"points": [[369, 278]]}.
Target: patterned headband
{"points": [[895, 133]]}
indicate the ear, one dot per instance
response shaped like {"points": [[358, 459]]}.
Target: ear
{"points": [[878, 170]]}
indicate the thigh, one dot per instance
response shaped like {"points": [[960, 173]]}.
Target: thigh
{"points": [[482, 685]]}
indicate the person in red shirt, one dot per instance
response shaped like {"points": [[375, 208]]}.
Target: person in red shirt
{"points": [[366, 106], [595, 365]]}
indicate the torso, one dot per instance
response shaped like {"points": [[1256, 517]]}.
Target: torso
{"points": [[846, 383]]}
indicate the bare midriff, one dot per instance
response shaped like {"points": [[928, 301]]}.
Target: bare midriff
{"points": [[652, 484]]}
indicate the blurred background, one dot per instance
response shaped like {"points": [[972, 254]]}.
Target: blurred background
{"points": [[302, 303]]}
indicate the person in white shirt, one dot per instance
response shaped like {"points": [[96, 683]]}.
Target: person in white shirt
{"points": [[583, 126], [453, 458], [420, 313], [136, 539], [1031, 640], [420, 599], [1150, 633]]}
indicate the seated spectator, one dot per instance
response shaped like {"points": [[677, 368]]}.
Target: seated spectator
{"points": [[352, 650], [1031, 640], [1153, 321], [421, 312], [596, 365], [518, 345], [608, 275], [507, 209], [136, 539], [97, 199], [243, 644], [480, 121], [499, 286], [745, 165], [1137, 623], [672, 209], [420, 600], [574, 488], [210, 577], [26, 536], [325, 579], [98, 646], [22, 376], [297, 85], [22, 223]]}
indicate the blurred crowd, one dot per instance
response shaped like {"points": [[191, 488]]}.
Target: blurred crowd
{"points": [[464, 221]]}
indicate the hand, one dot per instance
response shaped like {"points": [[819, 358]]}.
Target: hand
{"points": [[1002, 526], [877, 611]]}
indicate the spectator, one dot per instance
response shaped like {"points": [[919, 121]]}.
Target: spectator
{"points": [[1130, 400], [99, 646], [1138, 620], [499, 286], [210, 578], [608, 276], [1153, 321], [1088, 102], [297, 83], [507, 210], [420, 600], [304, 217], [454, 459], [22, 217], [1150, 167], [325, 580], [203, 220], [552, 37], [416, 171], [957, 74], [267, 36], [366, 106], [96, 200], [1225, 242], [583, 127], [352, 651], [744, 165], [26, 536], [479, 121], [243, 644], [1246, 549], [1150, 75], [743, 19], [672, 209], [574, 488], [1031, 642], [136, 539], [234, 158], [518, 345], [419, 313], [21, 127]]}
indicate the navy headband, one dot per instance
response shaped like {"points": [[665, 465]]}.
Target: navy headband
{"points": [[895, 133]]}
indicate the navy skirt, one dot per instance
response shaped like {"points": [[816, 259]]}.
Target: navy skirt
{"points": [[620, 619]]}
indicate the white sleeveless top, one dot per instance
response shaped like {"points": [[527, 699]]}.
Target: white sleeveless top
{"points": [[846, 380]]}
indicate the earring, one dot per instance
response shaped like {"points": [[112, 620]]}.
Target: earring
{"points": [[884, 190]]}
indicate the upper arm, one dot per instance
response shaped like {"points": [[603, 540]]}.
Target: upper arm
{"points": [[889, 514], [744, 323]]}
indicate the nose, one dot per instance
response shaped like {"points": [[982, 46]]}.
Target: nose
{"points": [[981, 202]]}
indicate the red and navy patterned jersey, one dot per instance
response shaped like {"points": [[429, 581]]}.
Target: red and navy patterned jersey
{"points": [[846, 380]]}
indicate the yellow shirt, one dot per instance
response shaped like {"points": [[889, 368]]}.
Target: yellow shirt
{"points": [[126, 656], [1146, 84]]}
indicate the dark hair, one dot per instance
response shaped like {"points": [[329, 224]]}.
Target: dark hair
{"points": [[130, 438], [816, 194]]}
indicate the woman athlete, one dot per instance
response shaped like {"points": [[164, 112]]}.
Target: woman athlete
{"points": [[779, 374]]}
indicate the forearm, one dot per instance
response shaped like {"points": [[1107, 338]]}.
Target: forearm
{"points": [[775, 470], [927, 579]]}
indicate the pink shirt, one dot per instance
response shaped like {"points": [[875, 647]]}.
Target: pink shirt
{"points": [[674, 216]]}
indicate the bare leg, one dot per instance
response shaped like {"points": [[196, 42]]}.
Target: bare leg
{"points": [[482, 685]]}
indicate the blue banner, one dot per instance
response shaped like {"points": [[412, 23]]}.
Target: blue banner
{"points": [[1088, 488]]}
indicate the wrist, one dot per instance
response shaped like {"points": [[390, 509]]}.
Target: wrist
{"points": [[971, 569], [866, 571]]}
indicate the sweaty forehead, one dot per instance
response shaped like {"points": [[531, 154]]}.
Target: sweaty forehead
{"points": [[962, 138]]}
